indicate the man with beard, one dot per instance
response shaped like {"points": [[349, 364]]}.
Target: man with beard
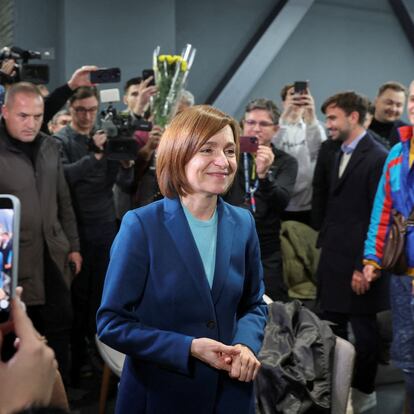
{"points": [[357, 170], [389, 106]]}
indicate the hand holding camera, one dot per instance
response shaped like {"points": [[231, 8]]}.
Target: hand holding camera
{"points": [[308, 105], [16, 68], [99, 139], [292, 106], [155, 136], [264, 160], [151, 145], [8, 67]]}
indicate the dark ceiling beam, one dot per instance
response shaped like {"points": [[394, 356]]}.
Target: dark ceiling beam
{"points": [[253, 61], [404, 18]]}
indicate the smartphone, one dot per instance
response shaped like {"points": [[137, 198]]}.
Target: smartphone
{"points": [[301, 87], [249, 144], [9, 251], [111, 75], [146, 73]]}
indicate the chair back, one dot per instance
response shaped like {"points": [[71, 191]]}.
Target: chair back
{"points": [[343, 366]]}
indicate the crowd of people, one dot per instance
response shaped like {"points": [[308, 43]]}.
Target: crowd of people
{"points": [[183, 290]]}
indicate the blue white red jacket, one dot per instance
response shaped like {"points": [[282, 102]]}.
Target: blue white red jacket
{"points": [[395, 191]]}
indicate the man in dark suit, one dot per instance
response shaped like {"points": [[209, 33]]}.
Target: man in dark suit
{"points": [[357, 169]]}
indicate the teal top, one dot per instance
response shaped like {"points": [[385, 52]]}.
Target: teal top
{"points": [[205, 236]]}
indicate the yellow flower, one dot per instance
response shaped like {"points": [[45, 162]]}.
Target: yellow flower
{"points": [[170, 59], [183, 66], [162, 58]]}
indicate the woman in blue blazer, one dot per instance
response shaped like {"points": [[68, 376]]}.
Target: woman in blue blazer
{"points": [[183, 291]]}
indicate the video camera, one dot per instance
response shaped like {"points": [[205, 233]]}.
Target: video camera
{"points": [[34, 73], [120, 128]]}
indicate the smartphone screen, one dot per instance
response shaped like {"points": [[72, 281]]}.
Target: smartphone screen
{"points": [[146, 73], [9, 245], [111, 75], [300, 87], [248, 144]]}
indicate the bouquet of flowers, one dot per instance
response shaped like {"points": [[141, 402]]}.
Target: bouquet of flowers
{"points": [[171, 73]]}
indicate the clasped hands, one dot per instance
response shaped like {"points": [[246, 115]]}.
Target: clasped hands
{"points": [[238, 360], [361, 281]]}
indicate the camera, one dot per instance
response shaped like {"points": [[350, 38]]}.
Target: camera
{"points": [[120, 128], [34, 73]]}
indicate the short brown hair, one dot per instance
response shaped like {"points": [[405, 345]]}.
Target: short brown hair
{"points": [[349, 102], [84, 92], [395, 86], [187, 133], [26, 88], [285, 89]]}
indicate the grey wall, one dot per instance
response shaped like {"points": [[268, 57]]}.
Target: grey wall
{"points": [[124, 33], [340, 44], [37, 26]]}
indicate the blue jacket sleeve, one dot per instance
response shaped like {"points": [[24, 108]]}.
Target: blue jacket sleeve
{"points": [[118, 324], [252, 309], [380, 216]]}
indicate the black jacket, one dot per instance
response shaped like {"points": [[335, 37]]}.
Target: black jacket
{"points": [[344, 231], [54, 103], [387, 130], [323, 173], [321, 180], [297, 359], [272, 197], [47, 217], [90, 180]]}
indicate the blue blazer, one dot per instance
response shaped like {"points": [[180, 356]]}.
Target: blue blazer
{"points": [[156, 300]]}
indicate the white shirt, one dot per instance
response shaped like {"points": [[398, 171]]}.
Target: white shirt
{"points": [[301, 141]]}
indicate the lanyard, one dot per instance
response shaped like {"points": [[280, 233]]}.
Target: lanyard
{"points": [[248, 178]]}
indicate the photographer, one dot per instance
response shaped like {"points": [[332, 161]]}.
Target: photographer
{"points": [[57, 99], [271, 175], [7, 70], [9, 74], [144, 189], [91, 176]]}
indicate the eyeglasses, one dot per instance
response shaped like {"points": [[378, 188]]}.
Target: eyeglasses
{"points": [[262, 124], [83, 111]]}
